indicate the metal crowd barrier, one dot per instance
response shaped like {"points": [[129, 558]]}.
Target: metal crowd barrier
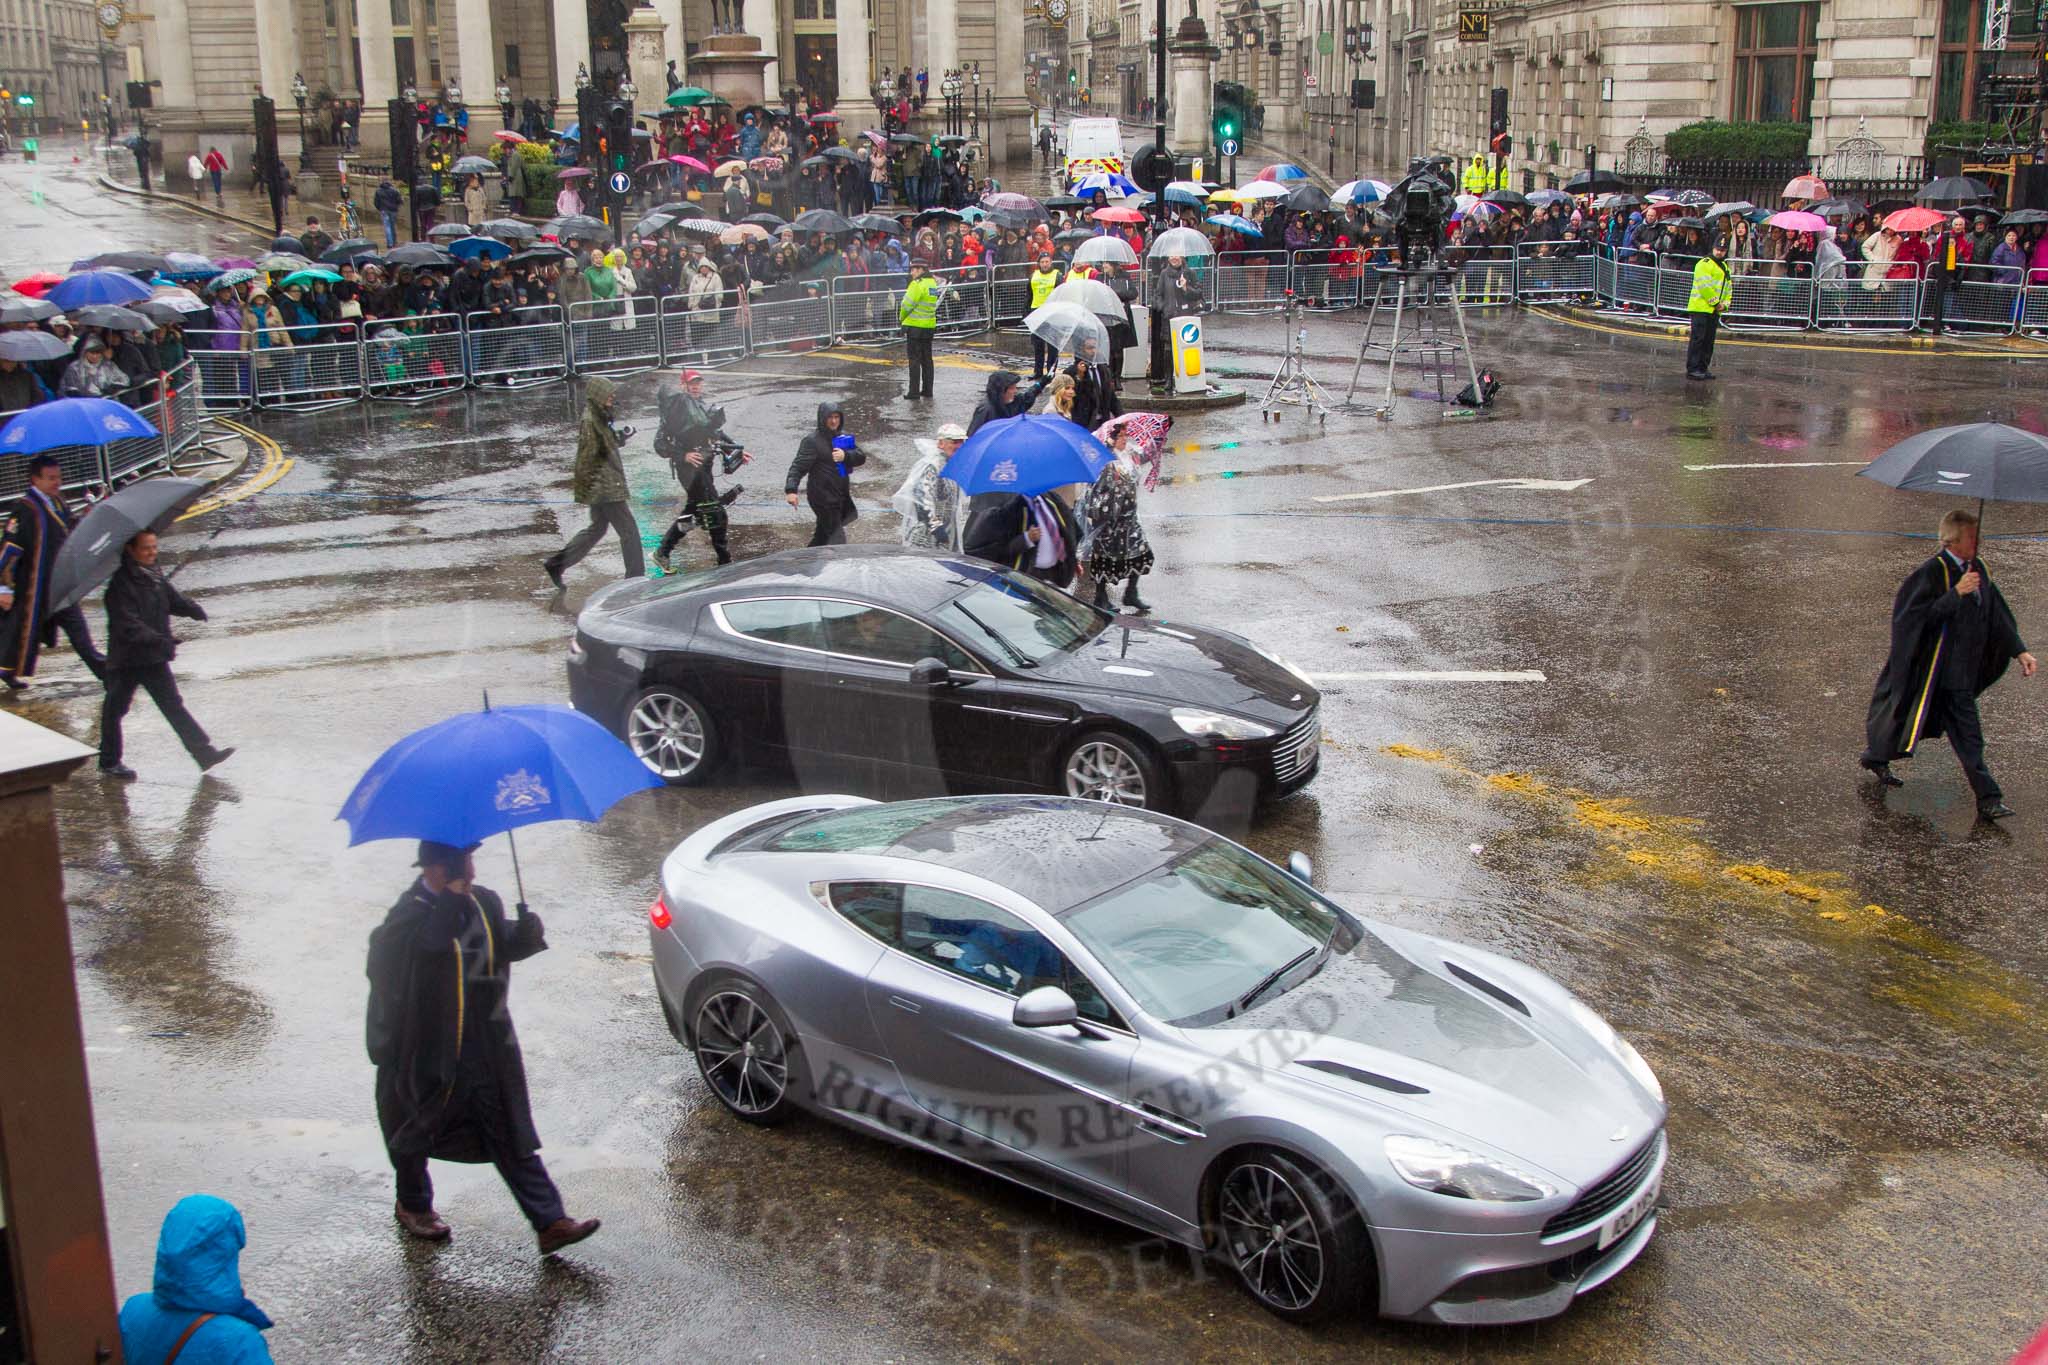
{"points": [[1977, 303], [799, 324], [1237, 285], [864, 306], [413, 359], [1319, 277], [532, 347], [1486, 275], [1760, 302], [615, 335], [311, 375], [702, 337], [177, 419], [2034, 308], [1542, 271], [964, 307], [224, 371], [1863, 303], [1009, 293]]}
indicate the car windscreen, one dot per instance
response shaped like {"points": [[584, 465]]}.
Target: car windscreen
{"points": [[1191, 940], [1019, 621]]}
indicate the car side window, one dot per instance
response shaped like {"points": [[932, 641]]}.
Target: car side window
{"points": [[872, 633], [988, 944], [875, 908], [795, 621]]}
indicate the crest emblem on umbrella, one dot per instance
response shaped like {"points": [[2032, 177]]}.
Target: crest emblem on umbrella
{"points": [[521, 790], [1004, 472]]}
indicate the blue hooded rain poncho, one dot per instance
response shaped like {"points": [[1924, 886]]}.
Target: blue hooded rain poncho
{"points": [[198, 1270]]}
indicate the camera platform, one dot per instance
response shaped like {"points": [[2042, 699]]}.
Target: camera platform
{"points": [[1292, 383], [1411, 302]]}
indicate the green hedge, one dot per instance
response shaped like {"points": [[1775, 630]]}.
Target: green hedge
{"points": [[1959, 135], [1712, 140]]}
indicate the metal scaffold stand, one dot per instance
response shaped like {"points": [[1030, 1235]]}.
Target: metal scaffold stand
{"points": [[1292, 383], [1413, 302]]}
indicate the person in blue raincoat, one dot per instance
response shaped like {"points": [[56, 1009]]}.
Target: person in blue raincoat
{"points": [[196, 1307]]}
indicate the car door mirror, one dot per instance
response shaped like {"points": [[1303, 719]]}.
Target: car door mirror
{"points": [[930, 672], [1046, 1007], [1300, 868]]}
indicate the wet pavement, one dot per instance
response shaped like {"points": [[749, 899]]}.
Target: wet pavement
{"points": [[1842, 993]]}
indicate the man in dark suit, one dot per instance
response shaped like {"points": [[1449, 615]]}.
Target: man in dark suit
{"points": [[140, 647], [1035, 535], [35, 530], [1952, 637]]}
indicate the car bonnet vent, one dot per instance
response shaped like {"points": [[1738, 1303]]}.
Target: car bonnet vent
{"points": [[1480, 983], [1363, 1077]]}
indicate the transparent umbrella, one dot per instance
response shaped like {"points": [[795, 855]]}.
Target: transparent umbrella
{"points": [[1180, 242], [1093, 295], [1068, 327], [1106, 251]]}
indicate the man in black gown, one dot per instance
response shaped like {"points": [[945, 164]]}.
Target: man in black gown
{"points": [[1952, 637], [450, 1080]]}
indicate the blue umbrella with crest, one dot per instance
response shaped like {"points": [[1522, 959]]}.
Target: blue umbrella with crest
{"points": [[1027, 454]]}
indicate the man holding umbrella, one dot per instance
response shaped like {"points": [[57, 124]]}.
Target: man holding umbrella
{"points": [[140, 647], [36, 529], [1952, 637], [451, 1083]]}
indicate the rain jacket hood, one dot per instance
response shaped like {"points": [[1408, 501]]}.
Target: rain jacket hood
{"points": [[198, 1255], [999, 384], [825, 411], [597, 396]]}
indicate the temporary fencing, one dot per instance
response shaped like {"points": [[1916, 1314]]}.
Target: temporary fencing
{"points": [[1542, 271], [1861, 302], [1762, 302], [532, 347], [1486, 275], [615, 335], [1977, 302], [701, 336], [864, 306], [313, 374], [415, 359], [1327, 279], [175, 414]]}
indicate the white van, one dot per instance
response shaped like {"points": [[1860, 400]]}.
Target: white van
{"points": [[1093, 144]]}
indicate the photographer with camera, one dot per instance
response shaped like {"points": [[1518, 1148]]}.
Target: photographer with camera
{"points": [[691, 437]]}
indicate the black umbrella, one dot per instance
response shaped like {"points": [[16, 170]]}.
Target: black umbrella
{"points": [[905, 140], [539, 253], [1625, 201], [1700, 223], [932, 215], [1988, 461], [291, 244], [361, 256], [1594, 182], [1840, 207], [347, 250], [508, 230], [821, 220], [420, 255], [681, 208], [842, 154], [147, 261], [653, 225], [92, 551], [2017, 218], [111, 316], [29, 347], [1736, 206], [1513, 199], [21, 308], [163, 313], [1951, 189], [1064, 201], [1693, 199], [766, 220], [1307, 198], [1984, 211], [447, 232], [875, 222], [582, 226], [1079, 234], [813, 163], [952, 140]]}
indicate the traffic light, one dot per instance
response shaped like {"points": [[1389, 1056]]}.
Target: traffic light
{"points": [[1500, 111], [617, 167], [1073, 76]]}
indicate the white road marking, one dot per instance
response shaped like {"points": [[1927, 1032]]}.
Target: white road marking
{"points": [[1775, 464], [1452, 675], [1526, 485]]}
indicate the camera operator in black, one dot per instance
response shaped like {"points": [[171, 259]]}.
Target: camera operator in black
{"points": [[690, 435]]}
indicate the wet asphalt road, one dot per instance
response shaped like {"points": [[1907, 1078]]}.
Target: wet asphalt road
{"points": [[1841, 993]]}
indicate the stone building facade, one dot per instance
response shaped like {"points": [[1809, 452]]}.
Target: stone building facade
{"points": [[52, 51]]}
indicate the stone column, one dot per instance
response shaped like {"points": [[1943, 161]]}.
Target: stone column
{"points": [[277, 57], [172, 33], [645, 59], [1009, 137], [571, 33], [854, 75], [764, 21], [1191, 52], [380, 70], [476, 52], [942, 37]]}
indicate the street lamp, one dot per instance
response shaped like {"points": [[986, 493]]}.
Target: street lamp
{"points": [[950, 88], [582, 78], [977, 100], [299, 98]]}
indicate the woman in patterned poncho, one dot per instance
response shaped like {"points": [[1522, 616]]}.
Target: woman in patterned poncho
{"points": [[1116, 546]]}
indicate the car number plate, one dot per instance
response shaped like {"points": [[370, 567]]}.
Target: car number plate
{"points": [[1619, 1226]]}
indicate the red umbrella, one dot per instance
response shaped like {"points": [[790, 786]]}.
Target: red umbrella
{"points": [[38, 284], [1117, 215], [507, 135], [1905, 220], [690, 161]]}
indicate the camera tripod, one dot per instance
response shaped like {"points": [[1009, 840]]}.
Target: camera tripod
{"points": [[1292, 383], [1419, 296]]}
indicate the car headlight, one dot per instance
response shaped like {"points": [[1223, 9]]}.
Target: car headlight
{"points": [[1624, 1051], [1217, 725], [1282, 661], [1444, 1168]]}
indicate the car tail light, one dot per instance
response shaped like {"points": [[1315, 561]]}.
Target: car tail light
{"points": [[658, 915]]}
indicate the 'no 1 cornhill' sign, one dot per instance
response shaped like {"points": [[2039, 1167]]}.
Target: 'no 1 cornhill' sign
{"points": [[1472, 26]]}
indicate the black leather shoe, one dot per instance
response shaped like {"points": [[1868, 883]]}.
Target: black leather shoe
{"points": [[554, 574], [120, 771], [213, 758], [1884, 774], [1993, 810]]}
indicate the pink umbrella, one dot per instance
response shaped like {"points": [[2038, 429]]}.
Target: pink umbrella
{"points": [[1792, 220], [876, 138], [573, 172], [1915, 220], [690, 162], [766, 163], [507, 135], [1806, 187]]}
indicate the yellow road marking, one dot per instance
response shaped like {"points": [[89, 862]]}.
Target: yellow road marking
{"points": [[1677, 334], [1919, 969], [951, 362], [274, 467]]}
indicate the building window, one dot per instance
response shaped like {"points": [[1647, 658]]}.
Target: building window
{"points": [[1774, 50], [806, 10], [511, 61], [1962, 55]]}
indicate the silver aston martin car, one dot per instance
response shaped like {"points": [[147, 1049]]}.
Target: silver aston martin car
{"points": [[1130, 1013]]}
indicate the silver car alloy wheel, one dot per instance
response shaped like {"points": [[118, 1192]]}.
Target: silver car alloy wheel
{"points": [[666, 734], [1102, 771], [741, 1052], [1271, 1236]]}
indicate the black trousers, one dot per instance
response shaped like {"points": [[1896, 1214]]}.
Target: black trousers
{"points": [[1937, 300], [619, 517], [831, 529], [1699, 349], [1957, 712], [681, 527], [163, 690], [528, 1179], [917, 346], [1043, 357]]}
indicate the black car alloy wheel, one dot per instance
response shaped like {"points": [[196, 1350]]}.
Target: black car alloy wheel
{"points": [[671, 733], [742, 1054], [1108, 767]]}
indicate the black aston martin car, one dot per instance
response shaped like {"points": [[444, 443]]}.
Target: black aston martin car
{"points": [[941, 666]]}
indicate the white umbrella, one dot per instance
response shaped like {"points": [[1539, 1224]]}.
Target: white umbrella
{"points": [[1097, 297], [1264, 189], [1361, 192], [1181, 241], [1105, 251], [1068, 327]]}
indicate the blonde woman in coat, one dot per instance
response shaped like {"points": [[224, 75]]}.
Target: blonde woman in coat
{"points": [[1878, 250]]}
